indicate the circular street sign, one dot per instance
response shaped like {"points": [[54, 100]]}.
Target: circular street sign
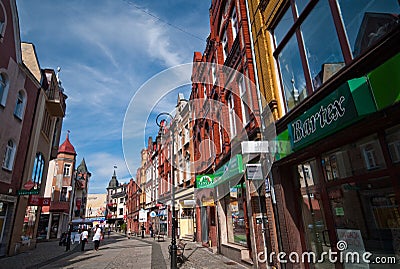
{"points": [[29, 185]]}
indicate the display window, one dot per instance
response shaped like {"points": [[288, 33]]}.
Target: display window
{"points": [[236, 226]]}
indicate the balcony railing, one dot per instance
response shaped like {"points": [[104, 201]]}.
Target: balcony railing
{"points": [[55, 102]]}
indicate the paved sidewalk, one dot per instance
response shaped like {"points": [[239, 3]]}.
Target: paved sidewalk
{"points": [[45, 252], [146, 253], [197, 256]]}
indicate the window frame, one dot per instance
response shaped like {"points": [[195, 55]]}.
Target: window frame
{"points": [[20, 105], [232, 115], [67, 170], [9, 156], [4, 86]]}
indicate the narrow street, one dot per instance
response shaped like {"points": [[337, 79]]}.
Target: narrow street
{"points": [[116, 252]]}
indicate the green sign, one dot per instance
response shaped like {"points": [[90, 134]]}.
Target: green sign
{"points": [[385, 82], [26, 192], [331, 114], [204, 181], [226, 172], [229, 170]]}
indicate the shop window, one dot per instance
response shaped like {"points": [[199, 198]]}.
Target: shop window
{"points": [[312, 211], [3, 214], [372, 154], [353, 159], [235, 217], [367, 210], [121, 211], [393, 143], [29, 222], [336, 165], [366, 23]]}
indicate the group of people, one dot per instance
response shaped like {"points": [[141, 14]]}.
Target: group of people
{"points": [[97, 237]]}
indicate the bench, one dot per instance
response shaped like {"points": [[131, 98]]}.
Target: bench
{"points": [[25, 241], [160, 237], [179, 252]]}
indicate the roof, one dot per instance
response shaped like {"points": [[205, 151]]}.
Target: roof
{"points": [[113, 182], [67, 147], [82, 168]]}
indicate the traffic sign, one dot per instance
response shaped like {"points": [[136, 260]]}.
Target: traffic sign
{"points": [[29, 185], [25, 192]]}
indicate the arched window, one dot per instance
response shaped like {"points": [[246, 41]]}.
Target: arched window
{"points": [[234, 23], [3, 89], [8, 161], [20, 105], [38, 167], [2, 21]]}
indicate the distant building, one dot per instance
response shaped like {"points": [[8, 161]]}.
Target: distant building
{"points": [[116, 198], [96, 205], [59, 187]]}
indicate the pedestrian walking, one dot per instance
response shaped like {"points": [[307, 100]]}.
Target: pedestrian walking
{"points": [[97, 237], [84, 238], [151, 229]]}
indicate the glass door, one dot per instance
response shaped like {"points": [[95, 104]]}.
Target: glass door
{"points": [[316, 231]]}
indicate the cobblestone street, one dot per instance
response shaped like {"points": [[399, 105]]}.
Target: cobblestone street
{"points": [[116, 252]]}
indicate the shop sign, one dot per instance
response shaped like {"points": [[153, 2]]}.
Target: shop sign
{"points": [[142, 215], [249, 147], [29, 185], [331, 114], [226, 172], [254, 171], [26, 192], [153, 214], [204, 181], [230, 170], [208, 202], [189, 202]]}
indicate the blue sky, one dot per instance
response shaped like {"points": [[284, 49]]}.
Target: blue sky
{"points": [[106, 51]]}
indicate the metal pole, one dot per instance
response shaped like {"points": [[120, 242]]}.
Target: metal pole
{"points": [[174, 248]]}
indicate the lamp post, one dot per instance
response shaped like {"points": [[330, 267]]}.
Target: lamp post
{"points": [[174, 248]]}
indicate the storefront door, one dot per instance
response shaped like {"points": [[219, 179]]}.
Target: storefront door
{"points": [[204, 225], [316, 229]]}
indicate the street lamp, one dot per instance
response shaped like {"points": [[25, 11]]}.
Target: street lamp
{"points": [[174, 248]]}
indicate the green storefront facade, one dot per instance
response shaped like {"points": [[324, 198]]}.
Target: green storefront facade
{"points": [[337, 169]]}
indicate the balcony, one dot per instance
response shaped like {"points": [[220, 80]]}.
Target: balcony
{"points": [[55, 102]]}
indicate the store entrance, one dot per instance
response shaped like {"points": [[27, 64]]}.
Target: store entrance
{"points": [[366, 216], [316, 233]]}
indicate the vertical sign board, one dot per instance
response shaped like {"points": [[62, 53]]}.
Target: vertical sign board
{"points": [[142, 215]]}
